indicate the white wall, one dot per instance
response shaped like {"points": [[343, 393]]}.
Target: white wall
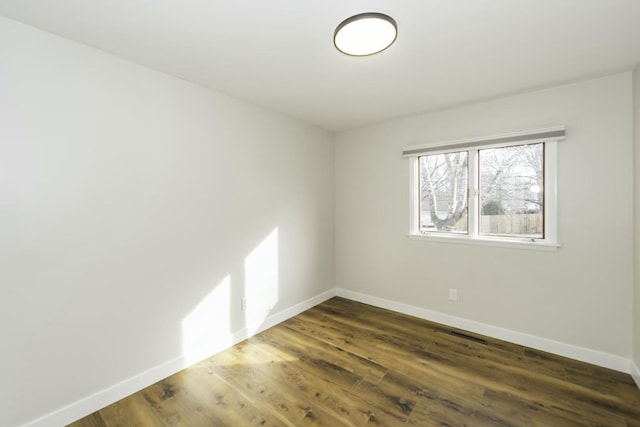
{"points": [[580, 295], [133, 206], [636, 180]]}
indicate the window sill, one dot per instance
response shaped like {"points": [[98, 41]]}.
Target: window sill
{"points": [[487, 241]]}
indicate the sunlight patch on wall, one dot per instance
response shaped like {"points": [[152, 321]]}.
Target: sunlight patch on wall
{"points": [[207, 328], [261, 281]]}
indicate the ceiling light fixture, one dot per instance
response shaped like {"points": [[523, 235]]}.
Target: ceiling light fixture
{"points": [[365, 34]]}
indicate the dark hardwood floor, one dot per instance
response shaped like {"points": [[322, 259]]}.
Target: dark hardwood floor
{"points": [[344, 363]]}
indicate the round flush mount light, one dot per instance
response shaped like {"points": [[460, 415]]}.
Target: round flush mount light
{"points": [[365, 34]]}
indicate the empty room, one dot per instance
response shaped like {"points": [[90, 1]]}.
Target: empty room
{"points": [[337, 213]]}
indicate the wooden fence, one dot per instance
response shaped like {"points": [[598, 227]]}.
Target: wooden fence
{"points": [[525, 224]]}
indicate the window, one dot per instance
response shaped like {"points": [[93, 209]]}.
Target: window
{"points": [[443, 192], [511, 191], [498, 189]]}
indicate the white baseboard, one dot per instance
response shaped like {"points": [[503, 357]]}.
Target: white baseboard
{"points": [[111, 394], [567, 350], [107, 396], [285, 314], [635, 373]]}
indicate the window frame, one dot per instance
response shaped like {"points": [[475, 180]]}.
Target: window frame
{"points": [[472, 146]]}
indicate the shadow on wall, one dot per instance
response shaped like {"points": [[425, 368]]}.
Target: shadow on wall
{"points": [[210, 328]]}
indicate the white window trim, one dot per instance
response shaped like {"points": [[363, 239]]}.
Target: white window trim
{"points": [[550, 241]]}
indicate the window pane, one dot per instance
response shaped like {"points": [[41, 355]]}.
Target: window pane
{"points": [[443, 192], [511, 191]]}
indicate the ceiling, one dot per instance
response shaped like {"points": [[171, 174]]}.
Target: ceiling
{"points": [[279, 54]]}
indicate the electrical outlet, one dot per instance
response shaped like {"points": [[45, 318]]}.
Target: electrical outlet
{"points": [[453, 294]]}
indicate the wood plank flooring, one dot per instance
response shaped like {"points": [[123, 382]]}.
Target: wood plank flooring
{"points": [[344, 363]]}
